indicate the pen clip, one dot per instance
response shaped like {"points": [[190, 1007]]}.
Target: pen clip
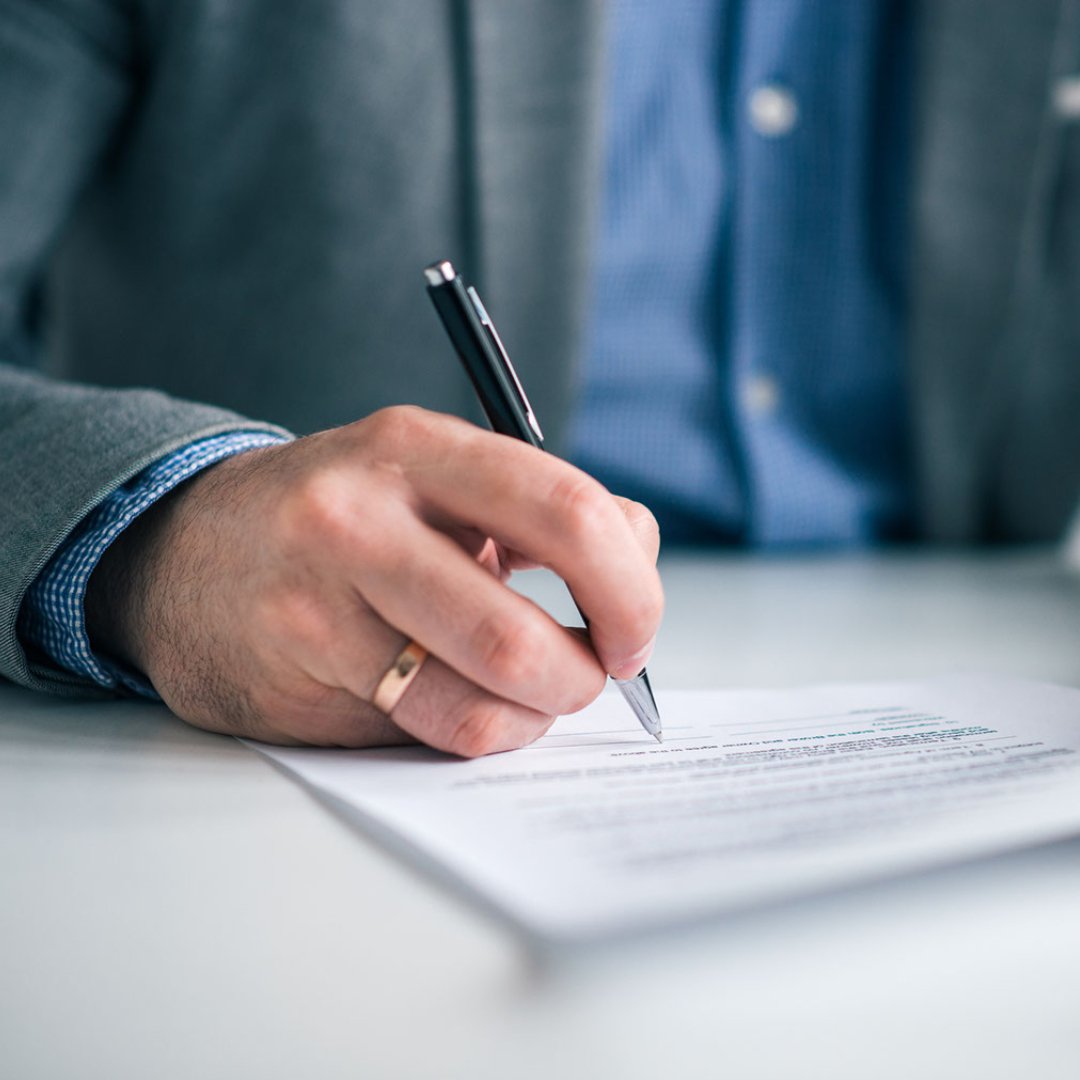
{"points": [[504, 358]]}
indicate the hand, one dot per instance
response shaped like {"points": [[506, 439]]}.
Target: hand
{"points": [[268, 596]]}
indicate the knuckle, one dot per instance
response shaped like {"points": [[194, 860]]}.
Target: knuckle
{"points": [[317, 506], [643, 520], [582, 508], [511, 652], [398, 426], [478, 729]]}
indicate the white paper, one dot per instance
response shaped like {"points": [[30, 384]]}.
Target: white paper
{"points": [[753, 796]]}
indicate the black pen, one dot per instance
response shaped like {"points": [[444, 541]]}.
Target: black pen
{"points": [[507, 408]]}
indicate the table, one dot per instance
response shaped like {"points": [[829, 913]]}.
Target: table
{"points": [[171, 906]]}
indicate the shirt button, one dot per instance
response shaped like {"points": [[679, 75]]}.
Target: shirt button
{"points": [[773, 110], [760, 395], [1067, 98]]}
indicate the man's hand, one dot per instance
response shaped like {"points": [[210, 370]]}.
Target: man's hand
{"points": [[269, 595]]}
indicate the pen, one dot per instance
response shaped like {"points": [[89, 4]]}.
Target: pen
{"points": [[507, 408]]}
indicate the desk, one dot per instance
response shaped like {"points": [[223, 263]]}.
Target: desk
{"points": [[172, 907]]}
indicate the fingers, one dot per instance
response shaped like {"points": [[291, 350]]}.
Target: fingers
{"points": [[340, 648], [440, 708], [641, 521], [559, 517], [337, 549], [438, 595], [451, 714]]}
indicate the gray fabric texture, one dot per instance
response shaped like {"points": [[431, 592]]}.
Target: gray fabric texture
{"points": [[995, 354], [232, 202]]}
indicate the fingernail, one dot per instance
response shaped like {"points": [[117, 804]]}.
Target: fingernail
{"points": [[632, 665]]}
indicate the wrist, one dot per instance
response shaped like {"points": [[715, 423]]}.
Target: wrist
{"points": [[122, 577], [128, 598]]}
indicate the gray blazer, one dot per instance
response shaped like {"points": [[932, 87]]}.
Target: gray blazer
{"points": [[232, 203]]}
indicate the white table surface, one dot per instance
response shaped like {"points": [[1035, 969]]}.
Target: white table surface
{"points": [[171, 906]]}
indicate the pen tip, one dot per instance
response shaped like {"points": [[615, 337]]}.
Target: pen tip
{"points": [[639, 697]]}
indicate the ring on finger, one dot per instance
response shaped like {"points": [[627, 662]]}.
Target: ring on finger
{"points": [[399, 677]]}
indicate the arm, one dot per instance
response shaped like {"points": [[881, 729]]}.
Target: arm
{"points": [[269, 594]]}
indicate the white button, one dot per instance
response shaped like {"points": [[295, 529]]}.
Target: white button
{"points": [[1067, 97], [773, 110], [760, 395]]}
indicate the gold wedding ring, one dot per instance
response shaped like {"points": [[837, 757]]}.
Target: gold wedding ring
{"points": [[399, 677]]}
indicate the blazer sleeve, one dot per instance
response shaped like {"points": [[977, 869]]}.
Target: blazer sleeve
{"points": [[66, 85]]}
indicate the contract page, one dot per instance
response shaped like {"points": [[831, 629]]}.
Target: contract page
{"points": [[753, 796]]}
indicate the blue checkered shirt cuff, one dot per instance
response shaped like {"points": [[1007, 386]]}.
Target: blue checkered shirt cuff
{"points": [[52, 618]]}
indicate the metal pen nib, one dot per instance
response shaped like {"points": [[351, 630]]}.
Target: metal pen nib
{"points": [[639, 696]]}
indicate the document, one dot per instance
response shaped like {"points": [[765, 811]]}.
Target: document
{"points": [[754, 796]]}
